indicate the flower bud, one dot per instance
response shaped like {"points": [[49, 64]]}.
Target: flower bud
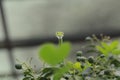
{"points": [[79, 53], [102, 56], [59, 35], [81, 59], [91, 59], [18, 66]]}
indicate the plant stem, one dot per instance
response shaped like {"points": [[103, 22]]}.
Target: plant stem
{"points": [[60, 41], [73, 76]]}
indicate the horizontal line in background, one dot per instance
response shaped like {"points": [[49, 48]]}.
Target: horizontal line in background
{"points": [[36, 42]]}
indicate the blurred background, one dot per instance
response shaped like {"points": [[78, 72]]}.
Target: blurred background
{"points": [[26, 24]]}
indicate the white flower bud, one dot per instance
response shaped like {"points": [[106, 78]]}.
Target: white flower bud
{"points": [[59, 35]]}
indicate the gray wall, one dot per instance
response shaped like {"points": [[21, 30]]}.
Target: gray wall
{"points": [[41, 18]]}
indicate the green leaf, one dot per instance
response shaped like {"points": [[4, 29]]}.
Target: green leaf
{"points": [[53, 54], [105, 46], [108, 48], [114, 45], [77, 65], [59, 73], [116, 51], [48, 71], [103, 51]]}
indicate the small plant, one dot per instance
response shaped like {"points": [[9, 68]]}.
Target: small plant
{"points": [[104, 66]]}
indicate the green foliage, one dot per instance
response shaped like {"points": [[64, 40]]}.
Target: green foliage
{"points": [[109, 48], [59, 73], [53, 54], [104, 66]]}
